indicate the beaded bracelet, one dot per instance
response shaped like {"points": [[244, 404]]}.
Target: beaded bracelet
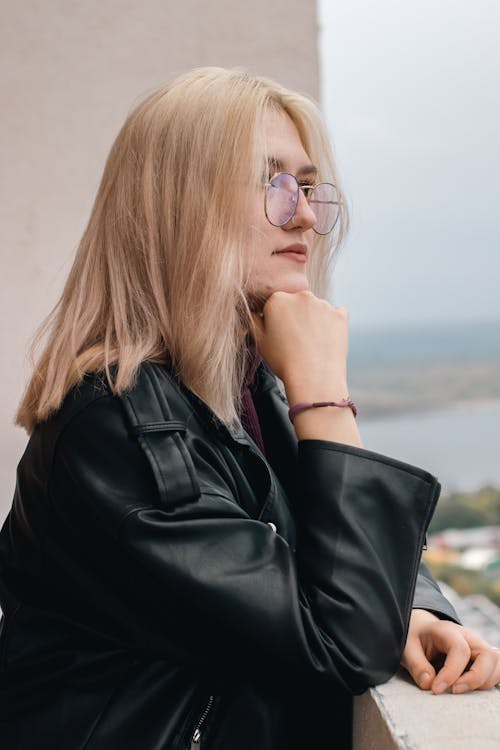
{"points": [[298, 408]]}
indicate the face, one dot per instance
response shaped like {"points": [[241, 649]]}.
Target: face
{"points": [[278, 256]]}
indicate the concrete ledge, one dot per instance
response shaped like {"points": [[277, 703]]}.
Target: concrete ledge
{"points": [[400, 716]]}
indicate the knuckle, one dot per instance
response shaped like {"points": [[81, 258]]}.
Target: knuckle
{"points": [[275, 300], [474, 678], [462, 649], [277, 296], [342, 312], [304, 297]]}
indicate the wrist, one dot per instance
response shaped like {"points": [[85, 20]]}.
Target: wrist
{"points": [[302, 391], [329, 423], [421, 617], [299, 408], [423, 614]]}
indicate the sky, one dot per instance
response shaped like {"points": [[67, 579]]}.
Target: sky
{"points": [[411, 93]]}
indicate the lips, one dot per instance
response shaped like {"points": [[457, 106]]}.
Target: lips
{"points": [[297, 251]]}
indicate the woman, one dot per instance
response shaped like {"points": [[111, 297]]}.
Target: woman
{"points": [[183, 567]]}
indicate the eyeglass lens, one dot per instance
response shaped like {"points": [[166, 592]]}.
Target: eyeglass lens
{"points": [[282, 195]]}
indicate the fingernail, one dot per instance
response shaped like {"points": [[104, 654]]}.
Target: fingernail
{"points": [[424, 677], [441, 687], [462, 687]]}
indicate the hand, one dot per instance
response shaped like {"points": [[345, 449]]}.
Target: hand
{"points": [[304, 340], [469, 662]]}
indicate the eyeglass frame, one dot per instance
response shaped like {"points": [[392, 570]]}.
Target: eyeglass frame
{"points": [[303, 188]]}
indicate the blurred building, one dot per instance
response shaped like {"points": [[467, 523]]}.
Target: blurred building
{"points": [[461, 539]]}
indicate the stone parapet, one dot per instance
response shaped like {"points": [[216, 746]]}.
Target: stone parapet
{"points": [[400, 716]]}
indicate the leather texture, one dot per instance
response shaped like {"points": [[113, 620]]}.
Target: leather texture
{"points": [[154, 558]]}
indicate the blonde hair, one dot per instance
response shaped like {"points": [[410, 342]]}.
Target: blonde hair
{"points": [[159, 272]]}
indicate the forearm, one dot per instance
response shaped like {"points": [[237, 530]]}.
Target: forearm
{"points": [[328, 423], [379, 510]]}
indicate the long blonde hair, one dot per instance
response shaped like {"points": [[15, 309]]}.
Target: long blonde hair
{"points": [[159, 272]]}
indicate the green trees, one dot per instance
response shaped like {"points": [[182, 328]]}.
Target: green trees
{"points": [[462, 510]]}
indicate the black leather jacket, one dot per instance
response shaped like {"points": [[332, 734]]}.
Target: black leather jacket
{"points": [[165, 586]]}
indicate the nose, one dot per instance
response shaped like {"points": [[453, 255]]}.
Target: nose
{"points": [[304, 217]]}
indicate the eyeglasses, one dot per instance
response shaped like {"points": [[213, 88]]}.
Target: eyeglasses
{"points": [[282, 197]]}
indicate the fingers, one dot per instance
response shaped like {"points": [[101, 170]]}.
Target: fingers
{"points": [[416, 663], [469, 662], [304, 340], [458, 654], [483, 674]]}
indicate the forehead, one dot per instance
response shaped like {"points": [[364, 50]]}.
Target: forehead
{"points": [[283, 144]]}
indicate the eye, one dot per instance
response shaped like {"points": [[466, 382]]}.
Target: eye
{"points": [[306, 186]]}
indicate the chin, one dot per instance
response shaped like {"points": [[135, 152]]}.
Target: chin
{"points": [[292, 285], [257, 298]]}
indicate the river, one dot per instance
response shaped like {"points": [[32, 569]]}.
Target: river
{"points": [[461, 446]]}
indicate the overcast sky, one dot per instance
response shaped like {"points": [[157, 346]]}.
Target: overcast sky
{"points": [[412, 96]]}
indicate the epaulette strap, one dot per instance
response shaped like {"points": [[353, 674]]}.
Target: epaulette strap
{"points": [[172, 425], [159, 435]]}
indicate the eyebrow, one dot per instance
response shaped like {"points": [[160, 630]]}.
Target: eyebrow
{"points": [[277, 165]]}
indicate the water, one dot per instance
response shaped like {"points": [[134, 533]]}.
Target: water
{"points": [[460, 446]]}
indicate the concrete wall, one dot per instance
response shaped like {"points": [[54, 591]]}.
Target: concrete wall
{"points": [[69, 73], [399, 716]]}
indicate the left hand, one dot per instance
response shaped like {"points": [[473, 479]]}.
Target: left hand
{"points": [[469, 662]]}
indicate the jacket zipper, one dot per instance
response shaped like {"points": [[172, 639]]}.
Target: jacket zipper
{"points": [[196, 738]]}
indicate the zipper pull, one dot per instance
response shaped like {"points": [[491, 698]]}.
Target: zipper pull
{"points": [[196, 738]]}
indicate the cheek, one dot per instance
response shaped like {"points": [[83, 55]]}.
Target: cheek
{"points": [[258, 270], [260, 244], [255, 256]]}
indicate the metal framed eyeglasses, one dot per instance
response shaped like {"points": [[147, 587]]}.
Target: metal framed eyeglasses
{"points": [[282, 197]]}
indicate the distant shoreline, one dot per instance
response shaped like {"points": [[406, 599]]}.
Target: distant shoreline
{"points": [[405, 389], [371, 412]]}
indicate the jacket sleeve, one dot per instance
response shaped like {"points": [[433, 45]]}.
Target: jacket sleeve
{"points": [[428, 596], [196, 578]]}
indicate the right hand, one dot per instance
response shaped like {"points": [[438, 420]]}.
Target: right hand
{"points": [[470, 663], [304, 340]]}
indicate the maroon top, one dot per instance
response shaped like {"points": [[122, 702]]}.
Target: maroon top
{"points": [[249, 418]]}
